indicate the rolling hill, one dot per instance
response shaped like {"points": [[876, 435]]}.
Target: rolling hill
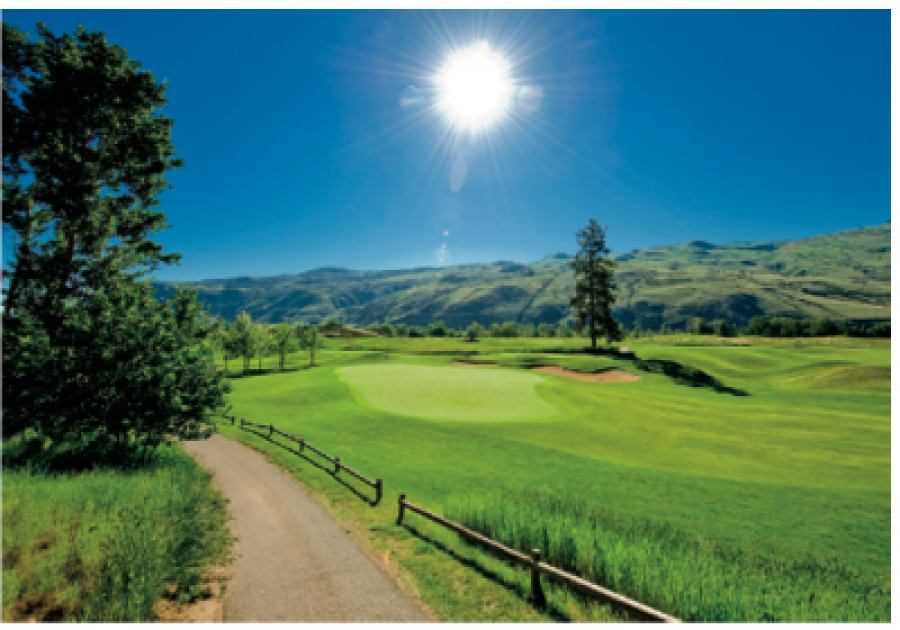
{"points": [[840, 275]]}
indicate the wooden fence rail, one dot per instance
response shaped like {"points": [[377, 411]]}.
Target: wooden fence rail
{"points": [[645, 613], [338, 466]]}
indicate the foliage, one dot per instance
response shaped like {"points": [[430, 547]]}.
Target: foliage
{"points": [[242, 335], [821, 327], [260, 341], [284, 337], [438, 329], [474, 331], [310, 340], [87, 348], [595, 285], [384, 329], [698, 326], [722, 328]]}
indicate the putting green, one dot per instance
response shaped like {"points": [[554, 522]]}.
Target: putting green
{"points": [[448, 393]]}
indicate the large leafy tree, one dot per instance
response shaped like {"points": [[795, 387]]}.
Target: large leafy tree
{"points": [[87, 349], [595, 285]]}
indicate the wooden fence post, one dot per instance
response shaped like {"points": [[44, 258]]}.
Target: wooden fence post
{"points": [[400, 506], [302, 444], [337, 465], [271, 428], [537, 593], [232, 420], [377, 491]]}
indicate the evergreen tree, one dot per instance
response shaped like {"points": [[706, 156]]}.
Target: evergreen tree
{"points": [[594, 285], [89, 353]]}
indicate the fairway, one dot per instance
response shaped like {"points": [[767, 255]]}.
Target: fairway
{"points": [[770, 506], [448, 393]]}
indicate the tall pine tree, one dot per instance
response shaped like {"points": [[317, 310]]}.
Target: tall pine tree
{"points": [[594, 285]]}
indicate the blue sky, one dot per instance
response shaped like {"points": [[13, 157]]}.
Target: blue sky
{"points": [[665, 126]]}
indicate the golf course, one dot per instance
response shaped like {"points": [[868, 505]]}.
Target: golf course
{"points": [[764, 497]]}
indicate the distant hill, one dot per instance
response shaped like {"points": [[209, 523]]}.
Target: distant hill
{"points": [[841, 275]]}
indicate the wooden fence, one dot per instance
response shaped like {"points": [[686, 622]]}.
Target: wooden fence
{"points": [[338, 466], [636, 609]]}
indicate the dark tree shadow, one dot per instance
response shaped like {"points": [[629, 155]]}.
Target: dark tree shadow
{"points": [[89, 453], [681, 374], [234, 374], [328, 469]]}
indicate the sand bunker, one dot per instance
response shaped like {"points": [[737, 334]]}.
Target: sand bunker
{"points": [[609, 376], [473, 364]]}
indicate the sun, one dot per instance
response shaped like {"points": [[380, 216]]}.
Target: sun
{"points": [[474, 87]]}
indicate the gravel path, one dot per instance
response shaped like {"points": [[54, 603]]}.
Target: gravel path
{"points": [[294, 561]]}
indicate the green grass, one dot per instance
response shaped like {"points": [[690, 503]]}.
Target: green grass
{"points": [[689, 577], [793, 475], [448, 393], [104, 544]]}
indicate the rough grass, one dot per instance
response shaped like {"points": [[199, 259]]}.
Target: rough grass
{"points": [[689, 577], [106, 544], [448, 393], [790, 471]]}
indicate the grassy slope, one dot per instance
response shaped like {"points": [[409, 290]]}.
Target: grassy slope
{"points": [[841, 275], [103, 545], [793, 466]]}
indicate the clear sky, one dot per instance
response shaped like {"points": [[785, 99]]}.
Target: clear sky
{"points": [[305, 145]]}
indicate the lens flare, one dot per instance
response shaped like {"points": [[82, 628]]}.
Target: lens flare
{"points": [[411, 96], [474, 87]]}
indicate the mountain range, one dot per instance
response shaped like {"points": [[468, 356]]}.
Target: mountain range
{"points": [[842, 275]]}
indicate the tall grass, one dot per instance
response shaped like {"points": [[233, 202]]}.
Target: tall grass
{"points": [[106, 544], [674, 571]]}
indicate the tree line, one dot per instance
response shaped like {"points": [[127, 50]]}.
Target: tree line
{"points": [[778, 326], [247, 340]]}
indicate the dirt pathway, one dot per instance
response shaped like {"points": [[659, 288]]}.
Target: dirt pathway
{"points": [[294, 562]]}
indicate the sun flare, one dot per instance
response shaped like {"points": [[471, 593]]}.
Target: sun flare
{"points": [[474, 87]]}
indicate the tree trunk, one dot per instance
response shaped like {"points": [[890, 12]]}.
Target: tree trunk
{"points": [[591, 304]]}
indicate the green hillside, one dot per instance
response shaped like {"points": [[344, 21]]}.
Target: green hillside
{"points": [[844, 275]]}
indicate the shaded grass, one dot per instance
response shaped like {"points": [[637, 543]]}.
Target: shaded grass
{"points": [[106, 544]]}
